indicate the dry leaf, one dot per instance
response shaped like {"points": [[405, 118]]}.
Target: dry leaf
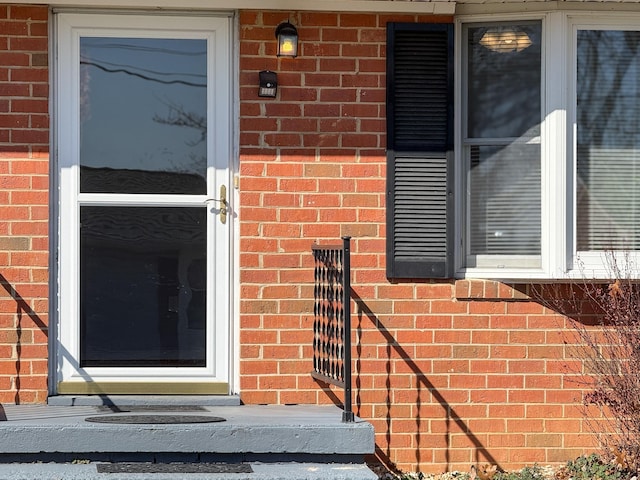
{"points": [[614, 289]]}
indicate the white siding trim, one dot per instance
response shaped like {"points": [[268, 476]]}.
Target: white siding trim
{"points": [[373, 6], [474, 7]]}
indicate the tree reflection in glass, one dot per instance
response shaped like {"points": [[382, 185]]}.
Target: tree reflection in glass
{"points": [[608, 140], [143, 105]]}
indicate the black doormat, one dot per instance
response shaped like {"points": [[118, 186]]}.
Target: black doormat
{"points": [[154, 419], [174, 468]]}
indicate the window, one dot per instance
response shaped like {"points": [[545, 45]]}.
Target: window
{"points": [[501, 144], [542, 180]]}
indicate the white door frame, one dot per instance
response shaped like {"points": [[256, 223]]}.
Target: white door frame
{"points": [[215, 377]]}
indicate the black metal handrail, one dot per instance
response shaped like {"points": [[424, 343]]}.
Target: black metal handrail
{"points": [[332, 319]]}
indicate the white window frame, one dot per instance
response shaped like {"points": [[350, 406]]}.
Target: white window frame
{"points": [[560, 260], [594, 264]]}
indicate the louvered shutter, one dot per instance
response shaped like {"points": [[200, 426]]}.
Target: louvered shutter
{"points": [[419, 150]]}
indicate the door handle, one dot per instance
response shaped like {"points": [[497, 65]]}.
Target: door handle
{"points": [[224, 205]]}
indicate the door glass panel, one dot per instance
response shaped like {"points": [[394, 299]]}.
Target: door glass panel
{"points": [[142, 286], [143, 106]]}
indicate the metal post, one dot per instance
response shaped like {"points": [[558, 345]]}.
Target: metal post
{"points": [[347, 414]]}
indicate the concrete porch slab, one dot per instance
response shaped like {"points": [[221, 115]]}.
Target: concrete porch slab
{"points": [[248, 429]]}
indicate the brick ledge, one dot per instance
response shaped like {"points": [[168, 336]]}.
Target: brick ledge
{"points": [[491, 290]]}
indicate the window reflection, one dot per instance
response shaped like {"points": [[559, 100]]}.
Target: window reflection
{"points": [[143, 105], [608, 140], [504, 86]]}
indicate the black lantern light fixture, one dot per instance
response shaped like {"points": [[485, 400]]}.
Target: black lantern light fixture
{"points": [[287, 36]]}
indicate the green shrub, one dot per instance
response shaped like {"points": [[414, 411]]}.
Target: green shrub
{"points": [[527, 473], [593, 467]]}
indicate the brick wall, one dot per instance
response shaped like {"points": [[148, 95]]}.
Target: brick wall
{"points": [[24, 211], [449, 373]]}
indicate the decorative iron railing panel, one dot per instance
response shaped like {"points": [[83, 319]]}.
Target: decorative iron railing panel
{"points": [[332, 318]]}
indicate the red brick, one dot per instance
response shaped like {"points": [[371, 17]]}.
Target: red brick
{"points": [[318, 50], [337, 95], [338, 65], [23, 12], [28, 44], [371, 65], [282, 139], [360, 110], [319, 19], [279, 170], [292, 94], [321, 80], [375, 35], [305, 63], [14, 90], [29, 106], [259, 397], [258, 124], [38, 29], [13, 28], [322, 110], [358, 20], [30, 136], [14, 59], [360, 80], [338, 125], [37, 75], [259, 184]]}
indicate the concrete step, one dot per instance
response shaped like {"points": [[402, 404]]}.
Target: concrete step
{"points": [[259, 471], [278, 442]]}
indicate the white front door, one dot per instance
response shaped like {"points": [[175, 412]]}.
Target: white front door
{"points": [[143, 153]]}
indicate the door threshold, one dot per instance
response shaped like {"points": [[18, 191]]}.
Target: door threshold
{"points": [[131, 400], [142, 388]]}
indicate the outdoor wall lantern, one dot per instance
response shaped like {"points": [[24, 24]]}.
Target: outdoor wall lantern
{"points": [[505, 39], [287, 36]]}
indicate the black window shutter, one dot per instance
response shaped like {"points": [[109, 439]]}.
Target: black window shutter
{"points": [[419, 150]]}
